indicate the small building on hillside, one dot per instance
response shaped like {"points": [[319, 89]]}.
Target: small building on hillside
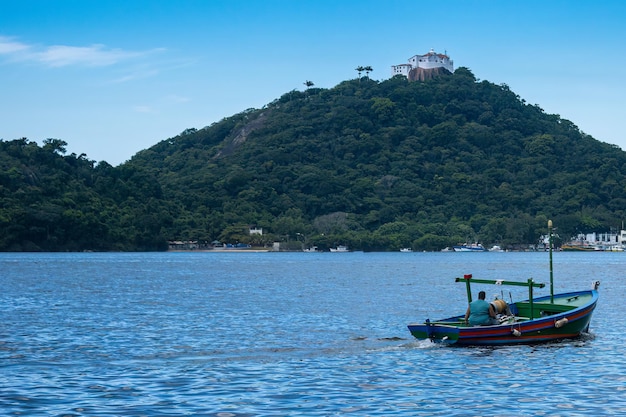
{"points": [[253, 230], [428, 61]]}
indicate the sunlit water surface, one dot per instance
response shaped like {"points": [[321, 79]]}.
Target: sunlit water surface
{"points": [[277, 334]]}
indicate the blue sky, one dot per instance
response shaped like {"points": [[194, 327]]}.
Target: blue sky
{"points": [[112, 78]]}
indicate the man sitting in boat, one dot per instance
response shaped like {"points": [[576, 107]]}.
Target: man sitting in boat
{"points": [[480, 312]]}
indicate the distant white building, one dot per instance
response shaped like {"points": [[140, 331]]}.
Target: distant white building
{"points": [[610, 241], [427, 61], [604, 238], [256, 230]]}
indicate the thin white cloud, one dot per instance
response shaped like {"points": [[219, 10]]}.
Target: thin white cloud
{"points": [[68, 55], [143, 109], [136, 73], [92, 56], [149, 69], [8, 46], [177, 99]]}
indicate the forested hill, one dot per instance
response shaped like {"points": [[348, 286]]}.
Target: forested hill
{"points": [[372, 165]]}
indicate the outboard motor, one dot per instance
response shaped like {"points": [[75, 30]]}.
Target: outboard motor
{"points": [[501, 307], [502, 310]]}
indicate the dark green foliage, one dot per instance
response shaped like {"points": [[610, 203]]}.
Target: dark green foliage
{"points": [[373, 165], [54, 202]]}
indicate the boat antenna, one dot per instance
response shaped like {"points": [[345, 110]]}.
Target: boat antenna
{"points": [[551, 272]]}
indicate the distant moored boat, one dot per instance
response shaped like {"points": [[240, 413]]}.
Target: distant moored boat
{"points": [[469, 247]]}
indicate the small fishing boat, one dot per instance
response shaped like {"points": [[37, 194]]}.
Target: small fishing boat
{"points": [[535, 320], [340, 248], [406, 250]]}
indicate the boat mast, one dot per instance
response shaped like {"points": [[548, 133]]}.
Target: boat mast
{"points": [[551, 272]]}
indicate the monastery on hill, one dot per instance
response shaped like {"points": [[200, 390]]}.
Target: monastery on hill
{"points": [[431, 60]]}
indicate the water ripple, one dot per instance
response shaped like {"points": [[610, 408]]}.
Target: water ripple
{"points": [[227, 335]]}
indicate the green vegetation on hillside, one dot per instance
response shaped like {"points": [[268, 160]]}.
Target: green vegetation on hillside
{"points": [[372, 165]]}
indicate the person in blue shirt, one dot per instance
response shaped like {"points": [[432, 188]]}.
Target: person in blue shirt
{"points": [[480, 312]]}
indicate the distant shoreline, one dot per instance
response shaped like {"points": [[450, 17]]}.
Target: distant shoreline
{"points": [[221, 250]]}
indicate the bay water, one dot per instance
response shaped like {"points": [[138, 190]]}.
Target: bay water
{"points": [[293, 334]]}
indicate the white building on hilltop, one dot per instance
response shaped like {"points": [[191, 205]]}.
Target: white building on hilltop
{"points": [[428, 61]]}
